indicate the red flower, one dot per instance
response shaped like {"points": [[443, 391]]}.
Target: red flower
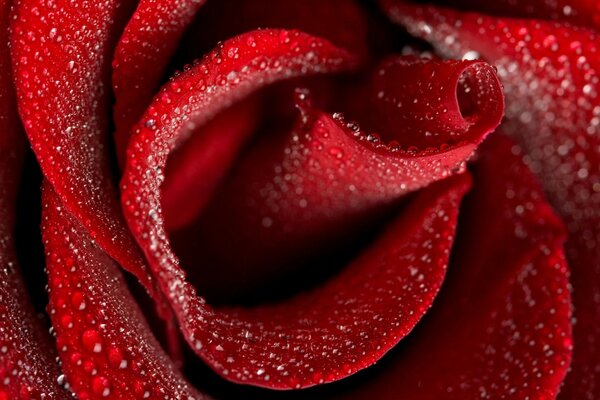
{"points": [[301, 201]]}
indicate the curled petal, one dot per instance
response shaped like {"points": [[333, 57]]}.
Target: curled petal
{"points": [[341, 327], [550, 73], [327, 19], [27, 356], [237, 68], [105, 346], [422, 104], [195, 170], [141, 57], [325, 182], [500, 327], [309, 339], [61, 56]]}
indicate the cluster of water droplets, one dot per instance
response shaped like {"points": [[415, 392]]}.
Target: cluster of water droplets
{"points": [[550, 76], [105, 348]]}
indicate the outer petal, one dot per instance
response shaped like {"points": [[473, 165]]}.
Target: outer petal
{"points": [[105, 346], [313, 190], [551, 76], [141, 57], [27, 367], [500, 327], [577, 12], [61, 53]]}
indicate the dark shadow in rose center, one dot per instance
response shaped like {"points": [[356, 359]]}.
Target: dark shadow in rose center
{"points": [[218, 271]]}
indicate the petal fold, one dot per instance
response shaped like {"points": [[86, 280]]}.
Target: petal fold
{"points": [[61, 58], [550, 72], [313, 190], [330, 332], [141, 57], [500, 327], [105, 346]]}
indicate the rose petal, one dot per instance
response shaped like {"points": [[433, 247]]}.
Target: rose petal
{"points": [[60, 54], [195, 170], [238, 67], [429, 103], [105, 346], [578, 12], [317, 187], [141, 57], [550, 74], [183, 202], [27, 367], [500, 327], [341, 327], [278, 346], [27, 357]]}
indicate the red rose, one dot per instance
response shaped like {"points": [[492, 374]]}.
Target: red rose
{"points": [[301, 201]]}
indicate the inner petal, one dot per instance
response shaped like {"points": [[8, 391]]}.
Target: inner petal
{"points": [[436, 111], [300, 201], [315, 338]]}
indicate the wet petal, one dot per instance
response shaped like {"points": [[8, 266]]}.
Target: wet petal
{"points": [[105, 346], [235, 69], [500, 327], [196, 169], [61, 58], [141, 57], [550, 75], [27, 366], [310, 339], [577, 12], [309, 192]]}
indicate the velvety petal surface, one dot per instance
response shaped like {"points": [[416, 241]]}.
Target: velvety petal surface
{"points": [[105, 346], [550, 74], [61, 54], [309, 339], [28, 369], [302, 193], [27, 366], [577, 12], [500, 327], [141, 57]]}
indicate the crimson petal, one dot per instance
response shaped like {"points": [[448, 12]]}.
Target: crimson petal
{"points": [[61, 54], [141, 57], [277, 346], [550, 74], [105, 346], [27, 366], [247, 68], [27, 358], [577, 12], [341, 327], [323, 183], [310, 339], [500, 327], [327, 19], [195, 170]]}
